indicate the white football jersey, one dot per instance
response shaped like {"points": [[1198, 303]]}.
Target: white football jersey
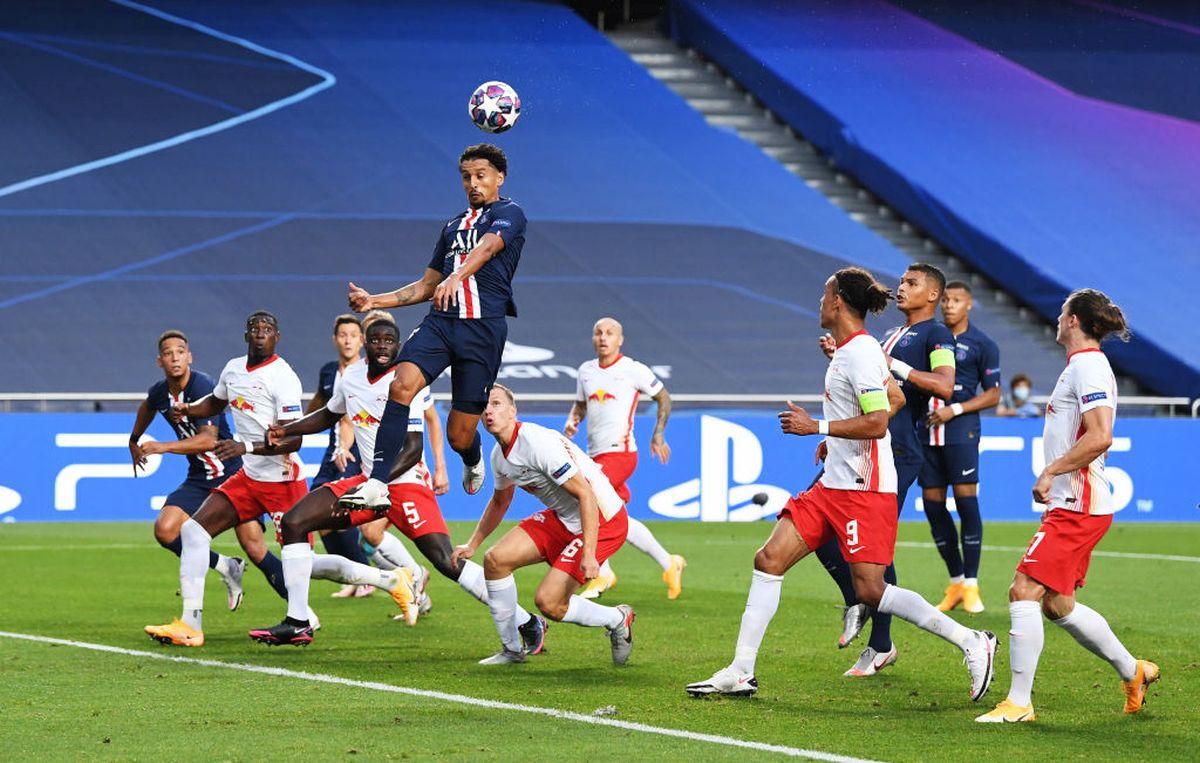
{"points": [[363, 399], [540, 460], [858, 368], [611, 395], [260, 396], [1086, 383]]}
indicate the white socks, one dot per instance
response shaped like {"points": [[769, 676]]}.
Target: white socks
{"points": [[909, 606], [392, 553], [297, 569], [761, 605], [1024, 649], [588, 613], [1091, 630], [339, 569], [643, 540], [193, 566], [956, 579], [471, 580], [502, 601]]}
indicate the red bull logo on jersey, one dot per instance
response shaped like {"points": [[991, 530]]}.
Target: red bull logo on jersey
{"points": [[600, 396], [242, 404], [364, 419]]}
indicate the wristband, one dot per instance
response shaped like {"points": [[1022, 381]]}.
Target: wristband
{"points": [[901, 370], [822, 427], [957, 408], [245, 441]]}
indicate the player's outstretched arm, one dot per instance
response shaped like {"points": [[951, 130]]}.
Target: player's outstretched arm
{"points": [[437, 444], [497, 506], [575, 417], [288, 443], [939, 382], [145, 415], [205, 408], [589, 520], [418, 291], [1096, 439], [317, 421], [658, 442], [203, 441]]}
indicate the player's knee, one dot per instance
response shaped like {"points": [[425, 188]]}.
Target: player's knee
{"points": [[494, 566], [1024, 589], [371, 533], [869, 592], [766, 560], [1056, 607], [461, 439], [550, 605], [292, 528], [402, 389], [165, 533]]}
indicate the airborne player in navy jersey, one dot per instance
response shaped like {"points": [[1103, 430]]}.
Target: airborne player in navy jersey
{"points": [[469, 280], [951, 437]]}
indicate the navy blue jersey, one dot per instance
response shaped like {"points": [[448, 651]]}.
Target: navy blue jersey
{"points": [[204, 466], [488, 293], [976, 368], [916, 345], [326, 379]]}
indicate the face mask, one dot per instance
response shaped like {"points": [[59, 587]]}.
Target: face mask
{"points": [[1020, 394]]}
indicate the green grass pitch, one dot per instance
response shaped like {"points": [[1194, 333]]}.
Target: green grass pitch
{"points": [[100, 583]]}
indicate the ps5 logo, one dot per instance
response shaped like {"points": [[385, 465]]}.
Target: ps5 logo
{"points": [[731, 459]]}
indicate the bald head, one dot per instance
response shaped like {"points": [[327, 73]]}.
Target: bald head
{"points": [[607, 338]]}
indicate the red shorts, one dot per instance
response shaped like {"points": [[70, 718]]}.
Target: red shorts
{"points": [[560, 547], [618, 466], [414, 509], [251, 498], [1061, 549], [864, 523]]}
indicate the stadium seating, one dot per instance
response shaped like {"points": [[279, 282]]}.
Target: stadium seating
{"points": [[1041, 188], [709, 250]]}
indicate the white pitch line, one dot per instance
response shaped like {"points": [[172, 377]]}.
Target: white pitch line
{"points": [[460, 699], [1106, 554], [327, 81]]}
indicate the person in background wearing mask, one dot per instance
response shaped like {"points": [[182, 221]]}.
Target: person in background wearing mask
{"points": [[1017, 402]]}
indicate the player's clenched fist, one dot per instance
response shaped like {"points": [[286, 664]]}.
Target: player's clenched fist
{"points": [[795, 420], [178, 412], [275, 433], [827, 344], [358, 298]]}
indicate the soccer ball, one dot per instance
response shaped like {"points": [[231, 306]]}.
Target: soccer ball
{"points": [[494, 107]]}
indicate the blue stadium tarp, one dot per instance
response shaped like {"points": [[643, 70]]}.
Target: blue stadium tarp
{"points": [[1043, 189]]}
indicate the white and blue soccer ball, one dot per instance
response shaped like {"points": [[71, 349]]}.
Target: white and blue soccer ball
{"points": [[494, 107]]}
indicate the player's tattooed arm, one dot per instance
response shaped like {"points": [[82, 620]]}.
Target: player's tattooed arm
{"points": [[418, 291], [658, 443], [575, 417], [492, 515], [145, 415], [1096, 439], [446, 294], [589, 520], [203, 441]]}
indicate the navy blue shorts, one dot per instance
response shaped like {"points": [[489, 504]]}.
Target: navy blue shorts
{"points": [[470, 348], [950, 465], [191, 493]]}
